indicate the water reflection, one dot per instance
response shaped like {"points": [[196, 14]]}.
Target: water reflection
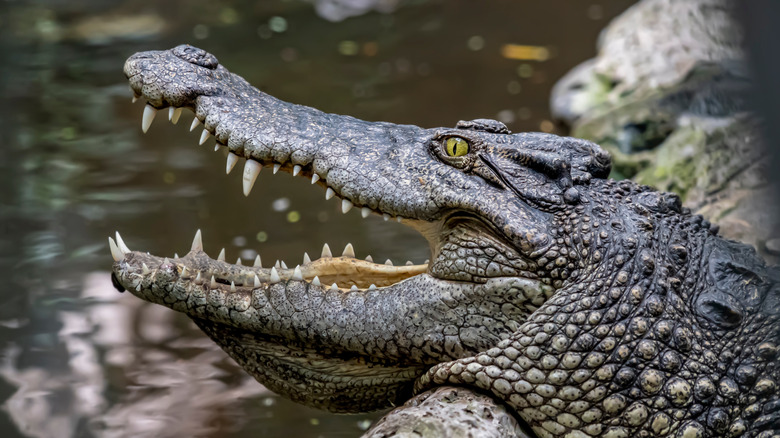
{"points": [[79, 359]]}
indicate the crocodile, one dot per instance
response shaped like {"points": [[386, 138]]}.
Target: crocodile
{"points": [[587, 306]]}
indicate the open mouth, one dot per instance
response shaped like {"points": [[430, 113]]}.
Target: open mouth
{"points": [[343, 271]]}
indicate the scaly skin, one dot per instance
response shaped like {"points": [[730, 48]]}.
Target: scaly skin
{"points": [[589, 306]]}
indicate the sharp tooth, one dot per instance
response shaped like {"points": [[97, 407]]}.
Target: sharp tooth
{"points": [[284, 265], [257, 281], [369, 258], [353, 287], [197, 277], [278, 265], [277, 166], [170, 113], [386, 217], [296, 170], [135, 99], [329, 193], [176, 255], [258, 262], [176, 115], [213, 283], [349, 251], [365, 211], [116, 253], [184, 273], [315, 178], [232, 159], [297, 274], [372, 287], [145, 269], [148, 117], [195, 123], [204, 136], [426, 261], [274, 276], [345, 206], [221, 256], [389, 262], [326, 251], [216, 147], [121, 244], [138, 287], [165, 262], [239, 262], [409, 263], [251, 170], [334, 287], [232, 286], [316, 281], [197, 242], [306, 258]]}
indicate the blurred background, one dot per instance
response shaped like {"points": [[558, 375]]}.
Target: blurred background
{"points": [[79, 359]]}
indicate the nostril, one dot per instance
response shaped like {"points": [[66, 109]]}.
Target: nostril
{"points": [[196, 56]]}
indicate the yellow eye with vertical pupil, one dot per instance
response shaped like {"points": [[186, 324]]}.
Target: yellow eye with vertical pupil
{"points": [[457, 147]]}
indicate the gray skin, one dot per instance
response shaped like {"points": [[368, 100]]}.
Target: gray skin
{"points": [[588, 306]]}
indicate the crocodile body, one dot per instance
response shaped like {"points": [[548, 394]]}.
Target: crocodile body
{"points": [[588, 306]]}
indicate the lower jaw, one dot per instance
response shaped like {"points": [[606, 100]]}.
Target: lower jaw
{"points": [[314, 376]]}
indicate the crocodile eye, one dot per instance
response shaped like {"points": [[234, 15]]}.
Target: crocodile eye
{"points": [[456, 147]]}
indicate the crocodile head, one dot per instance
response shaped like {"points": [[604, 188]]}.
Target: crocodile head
{"points": [[348, 334]]}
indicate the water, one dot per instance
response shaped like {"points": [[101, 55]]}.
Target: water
{"points": [[80, 359]]}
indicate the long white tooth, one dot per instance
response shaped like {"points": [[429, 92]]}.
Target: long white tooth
{"points": [[275, 276], [232, 159], [306, 258], [365, 211], [138, 287], [284, 265], [148, 117], [232, 286], [296, 170], [353, 287], [171, 110], [389, 262], [316, 281], [221, 256], [386, 217], [369, 258], [297, 274], [329, 193], [326, 251], [372, 287], [145, 269], [135, 99], [213, 283], [334, 287], [278, 265], [239, 262], [251, 170], [277, 166], [349, 251], [204, 136], [121, 243], [315, 178], [346, 206], [197, 242], [116, 253], [216, 147], [195, 123], [184, 273], [197, 277], [257, 281], [409, 263], [258, 262], [176, 115], [176, 255], [166, 261]]}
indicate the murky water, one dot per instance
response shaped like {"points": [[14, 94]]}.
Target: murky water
{"points": [[80, 359]]}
